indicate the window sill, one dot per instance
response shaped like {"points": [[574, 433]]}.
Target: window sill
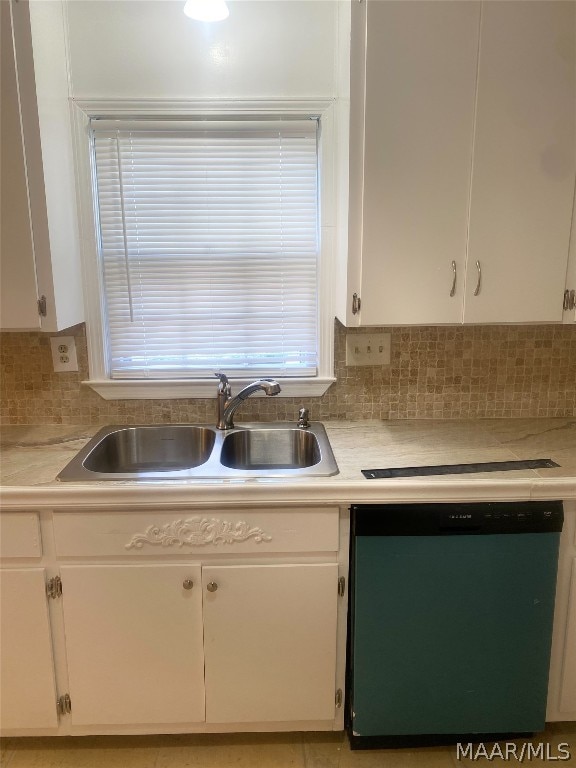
{"points": [[172, 389]]}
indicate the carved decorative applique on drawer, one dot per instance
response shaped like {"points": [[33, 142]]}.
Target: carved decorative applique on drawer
{"points": [[160, 533], [198, 532]]}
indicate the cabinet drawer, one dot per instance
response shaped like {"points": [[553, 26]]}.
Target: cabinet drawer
{"points": [[250, 530], [20, 535]]}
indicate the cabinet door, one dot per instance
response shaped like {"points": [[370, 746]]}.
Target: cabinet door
{"points": [[41, 246], [421, 61], [134, 643], [270, 642], [570, 311], [18, 307], [27, 687], [524, 162]]}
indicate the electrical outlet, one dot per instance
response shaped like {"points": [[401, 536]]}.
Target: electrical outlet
{"points": [[368, 348], [64, 353]]}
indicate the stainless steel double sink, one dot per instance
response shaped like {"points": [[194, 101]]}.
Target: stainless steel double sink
{"points": [[186, 451]]}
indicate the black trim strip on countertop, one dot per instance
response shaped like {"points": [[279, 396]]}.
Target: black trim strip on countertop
{"points": [[458, 469]]}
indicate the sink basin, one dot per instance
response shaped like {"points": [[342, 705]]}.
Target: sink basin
{"points": [[142, 450], [270, 449], [186, 451]]}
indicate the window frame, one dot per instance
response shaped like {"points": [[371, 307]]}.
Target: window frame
{"points": [[99, 378]]}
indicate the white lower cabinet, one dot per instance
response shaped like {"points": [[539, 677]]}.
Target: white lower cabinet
{"points": [[196, 632], [27, 685], [562, 690], [213, 620], [134, 643], [270, 642], [143, 642], [568, 688]]}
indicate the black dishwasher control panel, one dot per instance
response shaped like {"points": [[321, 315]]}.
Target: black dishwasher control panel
{"points": [[451, 519]]}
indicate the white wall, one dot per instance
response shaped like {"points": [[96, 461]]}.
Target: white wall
{"points": [[149, 49]]}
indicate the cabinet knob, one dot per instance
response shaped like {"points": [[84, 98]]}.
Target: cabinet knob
{"points": [[212, 586], [187, 583]]}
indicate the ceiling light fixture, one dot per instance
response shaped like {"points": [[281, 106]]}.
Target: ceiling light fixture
{"points": [[207, 10]]}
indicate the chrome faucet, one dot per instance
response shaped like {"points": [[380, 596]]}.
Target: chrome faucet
{"points": [[227, 405]]}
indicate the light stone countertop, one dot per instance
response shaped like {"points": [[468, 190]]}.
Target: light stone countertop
{"points": [[32, 456]]}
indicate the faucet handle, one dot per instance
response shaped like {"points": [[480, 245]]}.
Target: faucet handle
{"points": [[303, 415], [224, 385]]}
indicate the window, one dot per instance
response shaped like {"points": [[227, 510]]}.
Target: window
{"points": [[205, 247], [208, 245]]}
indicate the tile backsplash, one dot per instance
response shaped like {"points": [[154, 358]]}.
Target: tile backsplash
{"points": [[447, 372]]}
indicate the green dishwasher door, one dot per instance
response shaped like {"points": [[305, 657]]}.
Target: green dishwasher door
{"points": [[451, 634]]}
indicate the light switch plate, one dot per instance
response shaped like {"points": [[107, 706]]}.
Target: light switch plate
{"points": [[64, 353], [368, 348]]}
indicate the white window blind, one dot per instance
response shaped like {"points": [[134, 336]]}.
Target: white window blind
{"points": [[208, 239]]}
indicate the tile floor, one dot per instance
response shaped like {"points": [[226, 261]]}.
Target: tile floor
{"points": [[291, 750]]}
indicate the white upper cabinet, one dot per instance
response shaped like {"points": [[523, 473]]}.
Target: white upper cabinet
{"points": [[570, 292], [462, 151], [524, 161], [418, 133], [18, 308], [40, 249]]}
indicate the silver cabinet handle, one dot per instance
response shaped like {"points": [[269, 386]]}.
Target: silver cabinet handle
{"points": [[211, 586], [453, 291], [479, 283], [187, 583]]}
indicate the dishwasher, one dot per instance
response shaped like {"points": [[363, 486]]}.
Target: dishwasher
{"points": [[450, 621]]}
